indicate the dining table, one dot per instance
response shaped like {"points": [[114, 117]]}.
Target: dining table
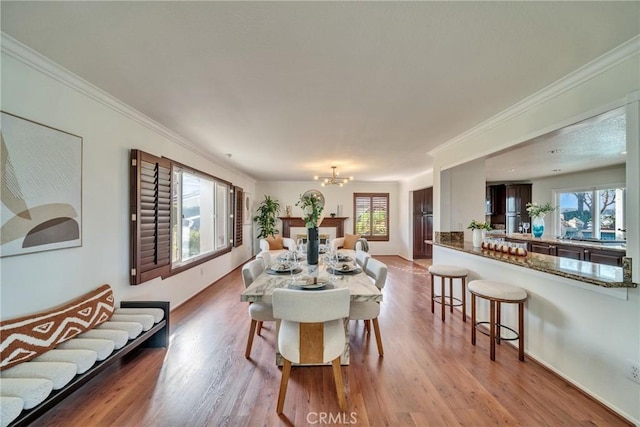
{"points": [[314, 278]]}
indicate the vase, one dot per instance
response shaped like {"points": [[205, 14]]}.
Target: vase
{"points": [[477, 238], [537, 226], [313, 246]]}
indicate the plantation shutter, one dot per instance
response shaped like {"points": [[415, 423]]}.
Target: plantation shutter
{"points": [[150, 196], [371, 215], [238, 219]]}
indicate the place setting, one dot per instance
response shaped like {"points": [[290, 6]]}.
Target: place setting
{"points": [[311, 283], [283, 268]]}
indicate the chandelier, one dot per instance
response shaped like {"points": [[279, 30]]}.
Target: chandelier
{"points": [[333, 179]]}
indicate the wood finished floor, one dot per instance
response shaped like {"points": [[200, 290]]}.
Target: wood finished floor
{"points": [[430, 375]]}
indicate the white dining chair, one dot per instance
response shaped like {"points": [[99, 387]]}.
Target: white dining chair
{"points": [[311, 331], [266, 258], [258, 311], [370, 310], [361, 259]]}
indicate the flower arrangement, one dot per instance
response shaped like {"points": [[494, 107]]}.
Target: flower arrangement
{"points": [[311, 209], [536, 211], [476, 225]]}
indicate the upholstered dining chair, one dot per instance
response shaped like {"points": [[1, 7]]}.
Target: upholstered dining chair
{"points": [[266, 258], [361, 259], [370, 310], [258, 311], [311, 331]]}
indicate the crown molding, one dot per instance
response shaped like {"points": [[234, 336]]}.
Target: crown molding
{"points": [[44, 65], [610, 59]]}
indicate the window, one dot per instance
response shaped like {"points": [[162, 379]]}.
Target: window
{"points": [[591, 213], [371, 212], [200, 221], [179, 217]]}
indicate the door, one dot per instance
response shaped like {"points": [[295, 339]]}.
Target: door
{"points": [[422, 223]]}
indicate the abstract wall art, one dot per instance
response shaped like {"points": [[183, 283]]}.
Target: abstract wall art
{"points": [[41, 187]]}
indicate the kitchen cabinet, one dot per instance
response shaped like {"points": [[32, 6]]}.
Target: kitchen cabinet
{"points": [[542, 248], [573, 252], [517, 197], [606, 256], [495, 203]]}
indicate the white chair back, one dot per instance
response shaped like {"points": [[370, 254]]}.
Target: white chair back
{"points": [[378, 271], [310, 306], [361, 259], [251, 270], [265, 256]]}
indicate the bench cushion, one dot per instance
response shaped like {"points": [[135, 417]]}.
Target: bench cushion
{"points": [[26, 337], [83, 359], [102, 347], [31, 390], [132, 328], [60, 373], [157, 313], [118, 337], [146, 320], [10, 408]]}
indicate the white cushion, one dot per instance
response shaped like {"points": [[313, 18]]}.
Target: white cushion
{"points": [[289, 340], [103, 348], [364, 310], [10, 408], [83, 359], [119, 338], [132, 328], [146, 320], [261, 311], [157, 313], [60, 373], [497, 290], [31, 390], [448, 271]]}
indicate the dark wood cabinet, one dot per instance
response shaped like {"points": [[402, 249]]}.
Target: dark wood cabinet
{"points": [[542, 248], [517, 197], [495, 203], [605, 256], [573, 252]]}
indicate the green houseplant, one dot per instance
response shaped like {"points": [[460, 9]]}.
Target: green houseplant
{"points": [[478, 229], [268, 211], [312, 208]]}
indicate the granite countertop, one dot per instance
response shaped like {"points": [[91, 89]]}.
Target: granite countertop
{"points": [[596, 274], [580, 243]]}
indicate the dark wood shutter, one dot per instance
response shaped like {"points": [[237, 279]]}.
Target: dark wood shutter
{"points": [[150, 195], [238, 219]]}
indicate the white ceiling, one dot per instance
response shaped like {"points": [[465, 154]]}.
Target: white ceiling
{"points": [[290, 88]]}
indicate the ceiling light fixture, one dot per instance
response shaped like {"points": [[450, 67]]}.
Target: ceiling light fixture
{"points": [[333, 179]]}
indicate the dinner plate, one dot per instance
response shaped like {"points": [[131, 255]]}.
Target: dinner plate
{"points": [[352, 270], [287, 271]]}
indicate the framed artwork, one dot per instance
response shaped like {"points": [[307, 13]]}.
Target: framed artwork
{"points": [[246, 204], [41, 187]]}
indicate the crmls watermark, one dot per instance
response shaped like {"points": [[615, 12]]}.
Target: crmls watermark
{"points": [[332, 418]]}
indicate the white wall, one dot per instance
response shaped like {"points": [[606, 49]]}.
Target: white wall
{"points": [[289, 192], [37, 90]]}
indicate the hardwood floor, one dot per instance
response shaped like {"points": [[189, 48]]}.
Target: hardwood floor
{"points": [[430, 374]]}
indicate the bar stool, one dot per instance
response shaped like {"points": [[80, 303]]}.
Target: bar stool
{"points": [[497, 293], [448, 272]]}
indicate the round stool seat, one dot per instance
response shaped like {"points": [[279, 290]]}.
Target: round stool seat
{"points": [[497, 290], [448, 271]]}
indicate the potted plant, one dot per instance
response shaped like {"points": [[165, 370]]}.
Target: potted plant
{"points": [[478, 229], [537, 214], [311, 210], [268, 211]]}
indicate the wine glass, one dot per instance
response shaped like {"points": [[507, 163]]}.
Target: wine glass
{"points": [[525, 225], [333, 263], [292, 257]]}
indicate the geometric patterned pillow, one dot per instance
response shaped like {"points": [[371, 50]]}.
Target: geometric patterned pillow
{"points": [[26, 337]]}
